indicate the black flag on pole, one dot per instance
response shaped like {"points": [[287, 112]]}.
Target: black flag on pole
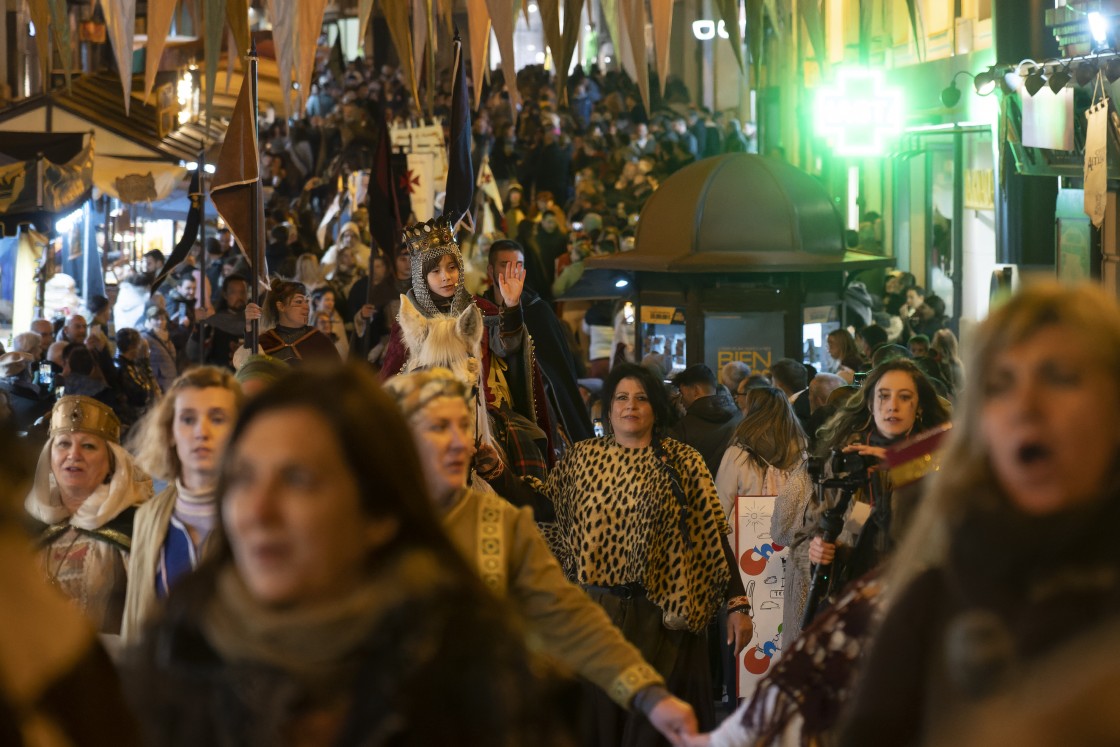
{"points": [[190, 233], [460, 171]]}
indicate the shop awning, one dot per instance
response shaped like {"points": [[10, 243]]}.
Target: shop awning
{"points": [[94, 103], [740, 213], [37, 191]]}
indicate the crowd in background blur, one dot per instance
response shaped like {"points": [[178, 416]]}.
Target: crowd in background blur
{"points": [[275, 547]]}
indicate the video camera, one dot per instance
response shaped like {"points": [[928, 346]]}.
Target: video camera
{"points": [[848, 469]]}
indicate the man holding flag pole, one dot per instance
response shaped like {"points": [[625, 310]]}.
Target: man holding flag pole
{"points": [[237, 193]]}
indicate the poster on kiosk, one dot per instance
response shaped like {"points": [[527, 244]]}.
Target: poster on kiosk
{"points": [[762, 565]]}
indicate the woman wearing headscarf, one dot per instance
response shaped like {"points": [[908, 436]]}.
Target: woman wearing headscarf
{"points": [[505, 548], [180, 441], [333, 608], [510, 384], [84, 500], [58, 684]]}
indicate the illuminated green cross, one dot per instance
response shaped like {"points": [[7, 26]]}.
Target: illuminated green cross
{"points": [[858, 113]]}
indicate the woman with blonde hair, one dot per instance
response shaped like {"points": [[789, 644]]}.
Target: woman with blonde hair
{"points": [[308, 271], [1012, 554], [180, 440], [84, 500]]}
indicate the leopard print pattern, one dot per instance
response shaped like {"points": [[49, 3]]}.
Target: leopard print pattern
{"points": [[617, 522]]}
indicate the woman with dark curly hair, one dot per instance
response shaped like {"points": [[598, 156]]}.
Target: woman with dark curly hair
{"points": [[639, 525]]}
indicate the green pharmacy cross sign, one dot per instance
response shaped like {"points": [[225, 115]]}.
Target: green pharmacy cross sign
{"points": [[857, 113]]}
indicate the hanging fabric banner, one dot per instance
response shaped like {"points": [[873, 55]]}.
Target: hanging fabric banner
{"points": [[550, 21], [282, 14], [160, 13], [396, 18], [501, 15], [814, 25], [237, 16], [120, 20], [573, 23], [60, 32], [729, 12], [214, 23], [41, 17], [1096, 155], [478, 24], [419, 38], [365, 13], [661, 12], [309, 26], [610, 15], [634, 19]]}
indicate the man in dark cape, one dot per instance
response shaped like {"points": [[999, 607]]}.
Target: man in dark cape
{"points": [[549, 345]]}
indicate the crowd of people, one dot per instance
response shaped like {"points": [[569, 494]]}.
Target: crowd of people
{"points": [[391, 523]]}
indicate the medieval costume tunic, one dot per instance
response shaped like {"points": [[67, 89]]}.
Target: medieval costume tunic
{"points": [[510, 379], [502, 544], [642, 530], [294, 345]]}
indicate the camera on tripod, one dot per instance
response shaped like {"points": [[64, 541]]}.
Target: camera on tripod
{"points": [[848, 469]]}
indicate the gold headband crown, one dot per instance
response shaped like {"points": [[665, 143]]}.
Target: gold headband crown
{"points": [[431, 236], [78, 413]]}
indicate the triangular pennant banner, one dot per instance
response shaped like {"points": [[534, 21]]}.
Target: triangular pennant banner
{"points": [[214, 23], [282, 14], [729, 13], [190, 234], [60, 32], [810, 11], [160, 13], [419, 36], [573, 22], [501, 15], [237, 16], [396, 18], [120, 22], [235, 188], [610, 15], [661, 12], [41, 16], [365, 13], [459, 190], [550, 20], [755, 35], [633, 19], [309, 26], [918, 27], [478, 23]]}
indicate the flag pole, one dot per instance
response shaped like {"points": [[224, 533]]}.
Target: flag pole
{"points": [[203, 300], [255, 227]]}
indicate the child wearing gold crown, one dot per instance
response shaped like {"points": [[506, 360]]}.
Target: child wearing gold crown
{"points": [[440, 323]]}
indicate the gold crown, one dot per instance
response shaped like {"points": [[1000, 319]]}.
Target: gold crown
{"points": [[434, 234], [77, 412]]}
